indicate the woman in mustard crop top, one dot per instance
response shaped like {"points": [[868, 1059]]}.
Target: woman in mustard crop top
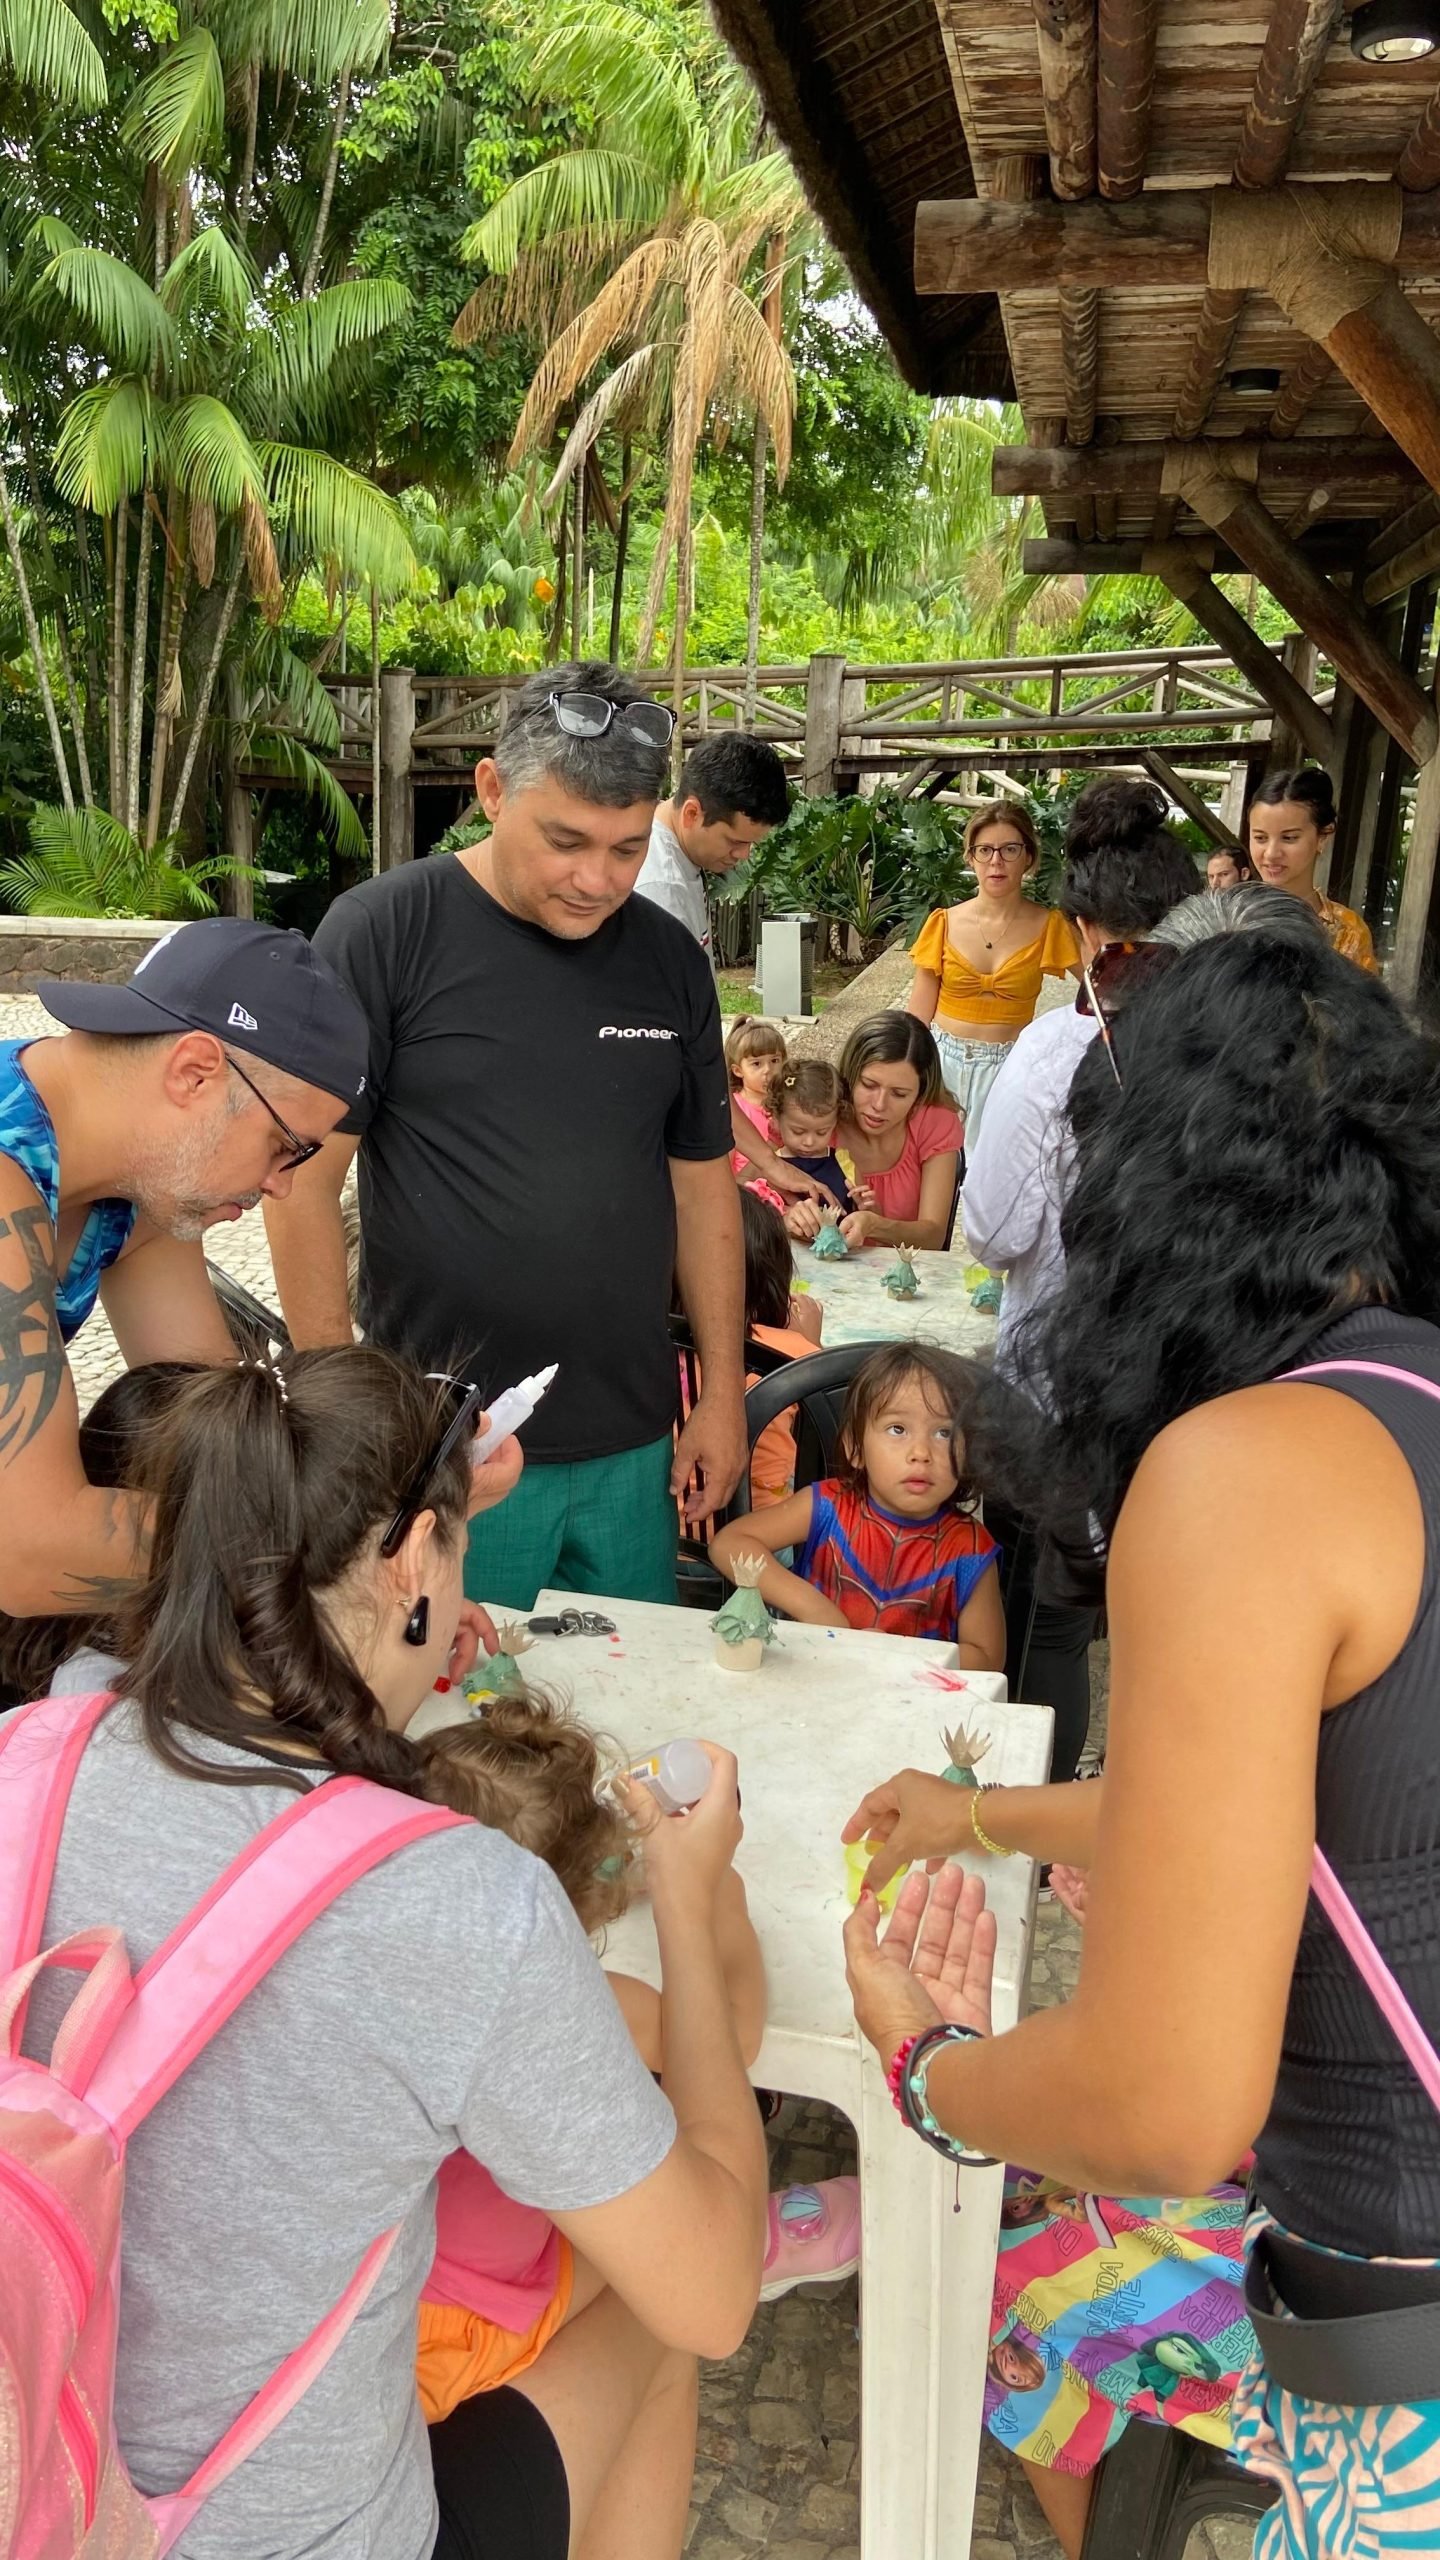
{"points": [[979, 966]]}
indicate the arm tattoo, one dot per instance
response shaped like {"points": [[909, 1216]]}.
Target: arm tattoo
{"points": [[97, 1594], [32, 1355]]}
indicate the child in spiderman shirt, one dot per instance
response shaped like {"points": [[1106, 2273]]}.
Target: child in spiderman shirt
{"points": [[890, 1541]]}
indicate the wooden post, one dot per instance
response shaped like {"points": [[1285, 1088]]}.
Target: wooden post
{"points": [[1369, 894], [852, 718], [1392, 358], [1288, 746], [1273, 679], [822, 722], [1358, 792], [397, 726], [1411, 925], [1321, 611]]}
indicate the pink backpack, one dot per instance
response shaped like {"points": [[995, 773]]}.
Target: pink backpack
{"points": [[64, 2490]]}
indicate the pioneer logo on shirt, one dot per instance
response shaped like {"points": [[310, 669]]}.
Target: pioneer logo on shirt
{"points": [[634, 1031]]}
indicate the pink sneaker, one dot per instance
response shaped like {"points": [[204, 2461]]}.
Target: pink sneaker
{"points": [[814, 2236]]}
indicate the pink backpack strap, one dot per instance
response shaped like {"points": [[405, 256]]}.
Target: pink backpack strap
{"points": [[40, 1749], [1329, 1892], [273, 2401], [292, 1871]]}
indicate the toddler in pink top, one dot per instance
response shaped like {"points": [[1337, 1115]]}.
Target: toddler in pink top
{"points": [[754, 1056]]}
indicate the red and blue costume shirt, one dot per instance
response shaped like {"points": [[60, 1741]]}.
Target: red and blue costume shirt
{"points": [[893, 1576]]}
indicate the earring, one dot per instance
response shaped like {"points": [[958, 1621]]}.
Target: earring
{"points": [[417, 1625]]}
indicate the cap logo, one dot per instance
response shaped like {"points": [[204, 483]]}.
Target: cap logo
{"points": [[240, 1020], [142, 965]]}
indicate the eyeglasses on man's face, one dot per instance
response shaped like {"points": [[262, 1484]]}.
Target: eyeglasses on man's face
{"points": [[299, 1150]]}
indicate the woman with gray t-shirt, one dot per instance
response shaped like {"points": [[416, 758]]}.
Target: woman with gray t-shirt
{"points": [[306, 1592]]}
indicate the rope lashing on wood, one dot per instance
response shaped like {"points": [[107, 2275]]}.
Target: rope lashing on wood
{"points": [[1319, 254]]}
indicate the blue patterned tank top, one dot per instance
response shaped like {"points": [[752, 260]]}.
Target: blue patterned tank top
{"points": [[28, 1139]]}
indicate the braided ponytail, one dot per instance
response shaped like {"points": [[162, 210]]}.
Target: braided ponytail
{"points": [[271, 1483]]}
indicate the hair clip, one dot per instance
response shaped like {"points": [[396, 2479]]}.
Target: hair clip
{"points": [[267, 1369]]}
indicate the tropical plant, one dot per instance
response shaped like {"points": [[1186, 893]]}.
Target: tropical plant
{"points": [[173, 402], [632, 250], [82, 862], [868, 865]]}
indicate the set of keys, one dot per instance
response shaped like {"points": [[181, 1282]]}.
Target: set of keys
{"points": [[571, 1622]]}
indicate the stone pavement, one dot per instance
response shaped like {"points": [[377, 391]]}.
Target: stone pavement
{"points": [[776, 2472]]}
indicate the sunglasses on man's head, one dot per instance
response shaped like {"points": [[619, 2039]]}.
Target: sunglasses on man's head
{"points": [[468, 1400], [589, 715]]}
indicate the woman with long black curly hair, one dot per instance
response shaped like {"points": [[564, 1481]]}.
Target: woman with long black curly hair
{"points": [[1258, 1193]]}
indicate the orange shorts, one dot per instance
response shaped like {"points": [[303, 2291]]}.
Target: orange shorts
{"points": [[460, 2354]]}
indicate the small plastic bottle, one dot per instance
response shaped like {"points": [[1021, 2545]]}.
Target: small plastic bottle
{"points": [[677, 1775], [511, 1411]]}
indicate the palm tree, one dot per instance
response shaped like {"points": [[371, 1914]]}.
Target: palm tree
{"points": [[632, 251], [205, 450]]}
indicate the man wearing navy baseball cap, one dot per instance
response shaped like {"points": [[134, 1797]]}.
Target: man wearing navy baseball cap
{"points": [[167, 1106]]}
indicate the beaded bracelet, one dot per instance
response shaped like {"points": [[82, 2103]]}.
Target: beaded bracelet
{"points": [[907, 2078], [996, 1848]]}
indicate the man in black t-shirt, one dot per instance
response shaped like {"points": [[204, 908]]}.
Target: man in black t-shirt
{"points": [[547, 1149]]}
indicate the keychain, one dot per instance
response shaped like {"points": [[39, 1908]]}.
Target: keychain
{"points": [[572, 1622]]}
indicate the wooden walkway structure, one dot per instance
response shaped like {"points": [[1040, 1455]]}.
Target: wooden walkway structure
{"points": [[1199, 242], [1195, 719]]}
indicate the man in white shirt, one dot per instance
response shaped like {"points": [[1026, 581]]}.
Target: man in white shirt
{"points": [[730, 795]]}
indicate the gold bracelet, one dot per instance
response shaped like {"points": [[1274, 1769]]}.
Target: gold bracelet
{"points": [[982, 1835]]}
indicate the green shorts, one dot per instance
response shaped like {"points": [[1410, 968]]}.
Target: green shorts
{"points": [[603, 1525]]}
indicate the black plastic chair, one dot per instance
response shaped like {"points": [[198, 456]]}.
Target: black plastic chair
{"points": [[697, 1584], [1157, 2486], [254, 1328]]}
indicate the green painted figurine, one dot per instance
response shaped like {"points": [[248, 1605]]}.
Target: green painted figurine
{"points": [[902, 1279], [964, 1752], [499, 1675], [829, 1245], [743, 1626]]}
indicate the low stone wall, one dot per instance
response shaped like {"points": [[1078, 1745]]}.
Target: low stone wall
{"points": [[36, 947], [882, 988]]}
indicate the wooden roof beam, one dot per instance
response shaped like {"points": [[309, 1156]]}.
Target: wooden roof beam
{"points": [[1419, 559], [1419, 163], [1287, 697], [969, 245], [1352, 471], [1186, 797], [1310, 369], [1080, 360], [1321, 610], [1125, 93], [1057, 556], [1065, 34], [1297, 39]]}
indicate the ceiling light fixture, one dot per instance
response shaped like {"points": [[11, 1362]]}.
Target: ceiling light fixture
{"points": [[1255, 381], [1396, 30]]}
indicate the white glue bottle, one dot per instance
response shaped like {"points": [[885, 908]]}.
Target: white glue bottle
{"points": [[511, 1412], [677, 1775]]}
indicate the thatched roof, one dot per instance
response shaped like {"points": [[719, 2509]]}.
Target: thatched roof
{"points": [[860, 94]]}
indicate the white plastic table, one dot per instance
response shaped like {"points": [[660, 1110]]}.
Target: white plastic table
{"points": [[830, 1714], [859, 1308]]}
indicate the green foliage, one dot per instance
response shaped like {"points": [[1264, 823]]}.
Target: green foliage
{"points": [[874, 865], [86, 864]]}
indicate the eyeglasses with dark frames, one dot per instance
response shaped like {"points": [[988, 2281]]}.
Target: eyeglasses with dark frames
{"points": [[301, 1149], [589, 715], [468, 1401]]}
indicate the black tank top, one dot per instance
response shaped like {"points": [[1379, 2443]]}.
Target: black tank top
{"points": [[1350, 2154]]}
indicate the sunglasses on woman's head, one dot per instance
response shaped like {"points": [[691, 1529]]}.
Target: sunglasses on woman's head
{"points": [[467, 1402], [589, 715]]}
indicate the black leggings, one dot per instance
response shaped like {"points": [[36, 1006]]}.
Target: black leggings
{"points": [[500, 2482]]}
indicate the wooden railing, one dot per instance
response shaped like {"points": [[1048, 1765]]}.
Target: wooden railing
{"points": [[923, 727]]}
